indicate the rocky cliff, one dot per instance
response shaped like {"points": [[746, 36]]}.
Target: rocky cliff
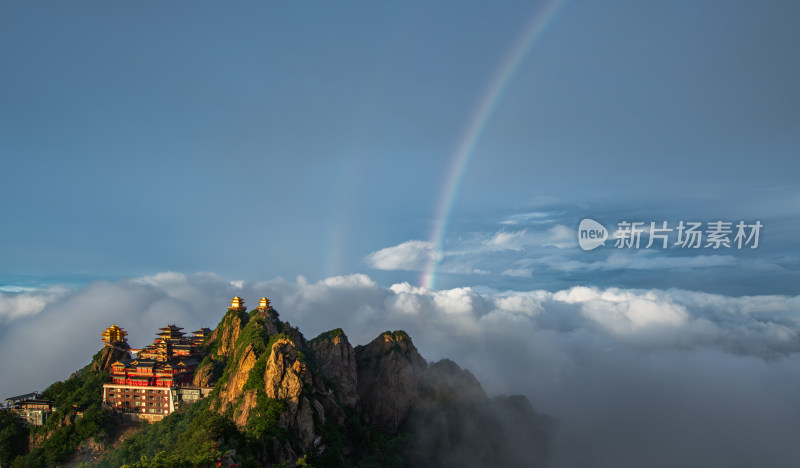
{"points": [[111, 353], [390, 370], [336, 360], [223, 338]]}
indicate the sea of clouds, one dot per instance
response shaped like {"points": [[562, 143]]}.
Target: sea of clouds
{"points": [[634, 377]]}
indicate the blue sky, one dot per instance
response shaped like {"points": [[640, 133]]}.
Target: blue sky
{"points": [[259, 140]]}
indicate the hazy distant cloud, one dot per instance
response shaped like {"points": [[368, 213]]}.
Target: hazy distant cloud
{"points": [[16, 289], [639, 260], [520, 272], [628, 372], [533, 217], [20, 304]]}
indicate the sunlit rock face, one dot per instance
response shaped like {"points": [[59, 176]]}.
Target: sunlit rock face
{"points": [[111, 354], [228, 331]]}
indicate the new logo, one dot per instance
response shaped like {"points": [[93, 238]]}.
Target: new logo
{"points": [[591, 234]]}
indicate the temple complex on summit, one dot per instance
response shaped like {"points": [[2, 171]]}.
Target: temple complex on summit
{"points": [[160, 375], [150, 384]]}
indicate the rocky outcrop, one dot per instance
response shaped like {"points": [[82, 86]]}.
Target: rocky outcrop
{"points": [[285, 374], [390, 370], [223, 338], [233, 388], [294, 334], [111, 353], [281, 375], [272, 324], [242, 412], [285, 379], [336, 360], [204, 375], [299, 419], [220, 345]]}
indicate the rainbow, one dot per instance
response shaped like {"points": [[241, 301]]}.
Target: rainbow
{"points": [[542, 18]]}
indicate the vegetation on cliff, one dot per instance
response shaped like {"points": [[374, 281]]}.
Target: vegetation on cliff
{"points": [[54, 442], [189, 437], [13, 438]]}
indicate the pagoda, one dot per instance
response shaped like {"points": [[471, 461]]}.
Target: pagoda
{"points": [[263, 304], [198, 336], [170, 333], [113, 334], [236, 303]]}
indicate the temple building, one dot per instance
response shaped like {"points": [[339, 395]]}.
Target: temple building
{"points": [[236, 303], [32, 409], [170, 342], [150, 385], [198, 336], [114, 334], [263, 304], [146, 403]]}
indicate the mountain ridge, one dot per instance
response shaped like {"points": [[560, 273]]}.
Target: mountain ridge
{"points": [[279, 399]]}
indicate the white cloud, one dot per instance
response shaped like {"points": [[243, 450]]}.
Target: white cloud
{"points": [[357, 281], [410, 255], [519, 304], [630, 316], [454, 301], [560, 236], [506, 240]]}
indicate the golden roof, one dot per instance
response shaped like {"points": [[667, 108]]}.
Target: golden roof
{"points": [[114, 333]]}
